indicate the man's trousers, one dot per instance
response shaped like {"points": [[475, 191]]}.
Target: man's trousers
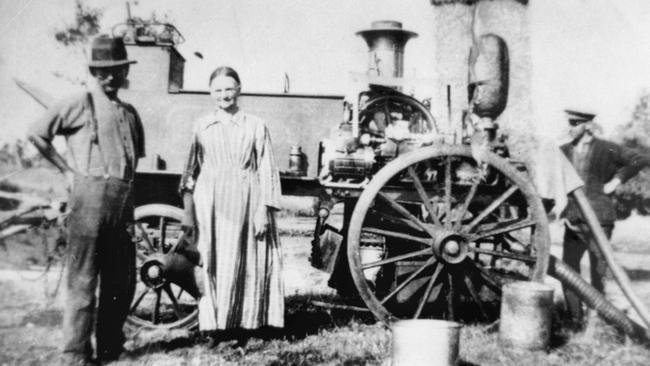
{"points": [[99, 249], [576, 242]]}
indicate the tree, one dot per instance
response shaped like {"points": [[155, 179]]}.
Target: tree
{"points": [[634, 134], [75, 38]]}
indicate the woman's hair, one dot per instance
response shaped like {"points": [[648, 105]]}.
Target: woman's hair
{"points": [[227, 71]]}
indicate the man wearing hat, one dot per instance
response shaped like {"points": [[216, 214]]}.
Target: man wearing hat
{"points": [[104, 142], [602, 165]]}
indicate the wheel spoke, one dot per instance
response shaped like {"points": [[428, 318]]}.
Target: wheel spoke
{"points": [[145, 236], [139, 299], [140, 256], [506, 229], [395, 234], [170, 294], [448, 193], [396, 258], [387, 113], [408, 280], [423, 195], [163, 228], [404, 212], [519, 257], [516, 240], [428, 290], [488, 210], [474, 294], [489, 281], [450, 297], [156, 307], [466, 203], [396, 220]]}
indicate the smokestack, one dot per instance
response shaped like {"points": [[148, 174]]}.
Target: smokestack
{"points": [[386, 40]]}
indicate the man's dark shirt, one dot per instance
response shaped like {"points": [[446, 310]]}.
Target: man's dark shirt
{"points": [[603, 161]]}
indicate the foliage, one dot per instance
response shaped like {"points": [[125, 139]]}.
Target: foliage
{"points": [[85, 26], [634, 134], [75, 38]]}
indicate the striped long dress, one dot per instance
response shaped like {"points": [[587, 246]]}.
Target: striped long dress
{"points": [[231, 172]]}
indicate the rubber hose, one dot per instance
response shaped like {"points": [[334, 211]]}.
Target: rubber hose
{"points": [[594, 299], [603, 243]]}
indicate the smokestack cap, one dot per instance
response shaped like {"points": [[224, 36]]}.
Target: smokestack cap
{"points": [[386, 26]]}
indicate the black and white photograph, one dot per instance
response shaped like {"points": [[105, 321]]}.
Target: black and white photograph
{"points": [[366, 182]]}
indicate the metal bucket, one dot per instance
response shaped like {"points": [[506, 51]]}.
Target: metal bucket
{"points": [[526, 309], [425, 342]]}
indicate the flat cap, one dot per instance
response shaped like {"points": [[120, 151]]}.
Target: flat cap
{"points": [[577, 116]]}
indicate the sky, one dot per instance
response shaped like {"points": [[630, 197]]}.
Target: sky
{"points": [[587, 54], [592, 55]]}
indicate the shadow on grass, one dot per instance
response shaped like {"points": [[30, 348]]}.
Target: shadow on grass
{"points": [[302, 318], [186, 340]]}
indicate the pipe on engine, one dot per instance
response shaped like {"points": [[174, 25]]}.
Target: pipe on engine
{"points": [[386, 41]]}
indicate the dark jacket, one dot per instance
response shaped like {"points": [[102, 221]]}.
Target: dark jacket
{"points": [[605, 161]]}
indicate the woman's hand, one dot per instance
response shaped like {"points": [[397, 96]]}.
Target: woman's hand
{"points": [[261, 223], [188, 222]]}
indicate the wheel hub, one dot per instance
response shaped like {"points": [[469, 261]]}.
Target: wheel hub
{"points": [[151, 273], [450, 246]]}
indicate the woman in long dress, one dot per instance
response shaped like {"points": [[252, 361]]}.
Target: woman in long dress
{"points": [[231, 189]]}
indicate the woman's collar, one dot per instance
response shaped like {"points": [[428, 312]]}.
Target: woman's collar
{"points": [[222, 116]]}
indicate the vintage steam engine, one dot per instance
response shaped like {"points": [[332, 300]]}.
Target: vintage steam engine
{"points": [[402, 179]]}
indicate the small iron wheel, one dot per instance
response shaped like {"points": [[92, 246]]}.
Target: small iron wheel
{"points": [[164, 299]]}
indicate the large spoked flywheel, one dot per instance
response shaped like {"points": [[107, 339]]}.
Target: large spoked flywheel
{"points": [[436, 235]]}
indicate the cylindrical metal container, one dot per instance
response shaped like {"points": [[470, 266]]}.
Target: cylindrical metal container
{"points": [[488, 76], [526, 309], [386, 40], [297, 163], [425, 342]]}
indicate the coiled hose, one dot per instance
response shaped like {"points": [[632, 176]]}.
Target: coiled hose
{"points": [[591, 296], [594, 299]]}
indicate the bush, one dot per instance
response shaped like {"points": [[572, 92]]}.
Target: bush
{"points": [[635, 194]]}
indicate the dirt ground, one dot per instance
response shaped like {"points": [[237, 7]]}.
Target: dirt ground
{"points": [[30, 317]]}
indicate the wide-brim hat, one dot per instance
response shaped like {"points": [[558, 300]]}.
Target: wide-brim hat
{"points": [[107, 51], [386, 26]]}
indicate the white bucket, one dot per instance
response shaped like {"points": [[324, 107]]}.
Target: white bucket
{"points": [[425, 342], [526, 315]]}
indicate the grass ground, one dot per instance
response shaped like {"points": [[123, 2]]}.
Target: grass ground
{"points": [[30, 330], [30, 319]]}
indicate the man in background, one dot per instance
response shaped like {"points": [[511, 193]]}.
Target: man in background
{"points": [[603, 166], [104, 142]]}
